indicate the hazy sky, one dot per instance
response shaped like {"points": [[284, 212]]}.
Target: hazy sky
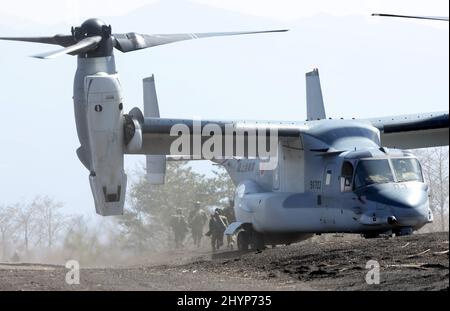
{"points": [[43, 11], [369, 67]]}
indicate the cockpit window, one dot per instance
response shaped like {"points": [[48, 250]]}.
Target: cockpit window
{"points": [[407, 170], [346, 176], [370, 172], [347, 171]]}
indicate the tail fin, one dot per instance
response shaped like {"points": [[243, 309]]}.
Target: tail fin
{"points": [[156, 164], [314, 99]]}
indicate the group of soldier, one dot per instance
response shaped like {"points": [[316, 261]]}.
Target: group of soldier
{"points": [[196, 222]]}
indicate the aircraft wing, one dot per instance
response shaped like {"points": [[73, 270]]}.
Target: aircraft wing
{"points": [[404, 132], [157, 138], [414, 130]]}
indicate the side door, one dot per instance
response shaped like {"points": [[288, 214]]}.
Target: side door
{"points": [[328, 196]]}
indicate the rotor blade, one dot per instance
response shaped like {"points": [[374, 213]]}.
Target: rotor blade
{"points": [[436, 18], [134, 41], [56, 40], [82, 46]]}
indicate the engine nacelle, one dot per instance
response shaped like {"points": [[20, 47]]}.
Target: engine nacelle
{"points": [[106, 143]]}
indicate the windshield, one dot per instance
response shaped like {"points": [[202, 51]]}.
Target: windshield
{"points": [[370, 172], [407, 170]]}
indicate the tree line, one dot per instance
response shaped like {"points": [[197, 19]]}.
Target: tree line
{"points": [[41, 231]]}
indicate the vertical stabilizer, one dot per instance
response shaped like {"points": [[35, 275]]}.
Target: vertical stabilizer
{"points": [[315, 109], [156, 164], [151, 107]]}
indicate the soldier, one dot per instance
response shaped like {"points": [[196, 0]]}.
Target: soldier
{"points": [[217, 226], [197, 221], [179, 228], [15, 257], [228, 212]]}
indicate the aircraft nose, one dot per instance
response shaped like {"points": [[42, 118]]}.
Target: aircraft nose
{"points": [[411, 196], [408, 203]]}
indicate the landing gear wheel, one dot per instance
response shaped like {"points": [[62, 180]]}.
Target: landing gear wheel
{"points": [[404, 231], [257, 241], [243, 240], [371, 235]]}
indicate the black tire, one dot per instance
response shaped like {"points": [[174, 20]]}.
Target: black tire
{"points": [[243, 240], [257, 241], [371, 235]]}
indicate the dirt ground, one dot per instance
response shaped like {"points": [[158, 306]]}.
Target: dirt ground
{"points": [[417, 262]]}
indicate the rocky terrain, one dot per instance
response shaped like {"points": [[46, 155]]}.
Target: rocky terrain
{"points": [[417, 262]]}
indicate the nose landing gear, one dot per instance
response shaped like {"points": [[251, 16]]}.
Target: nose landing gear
{"points": [[403, 231], [399, 231]]}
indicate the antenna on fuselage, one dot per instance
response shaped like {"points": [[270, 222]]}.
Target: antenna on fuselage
{"points": [[315, 109]]}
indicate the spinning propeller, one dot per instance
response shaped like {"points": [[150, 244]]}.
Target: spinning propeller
{"points": [[436, 18], [95, 39]]}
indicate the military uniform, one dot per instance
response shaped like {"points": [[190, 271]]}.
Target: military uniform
{"points": [[197, 221], [217, 226], [229, 214], [179, 228]]}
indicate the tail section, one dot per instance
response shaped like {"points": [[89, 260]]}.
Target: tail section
{"points": [[156, 164], [314, 99]]}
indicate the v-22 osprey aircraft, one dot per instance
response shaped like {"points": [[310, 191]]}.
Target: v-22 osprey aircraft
{"points": [[349, 176]]}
